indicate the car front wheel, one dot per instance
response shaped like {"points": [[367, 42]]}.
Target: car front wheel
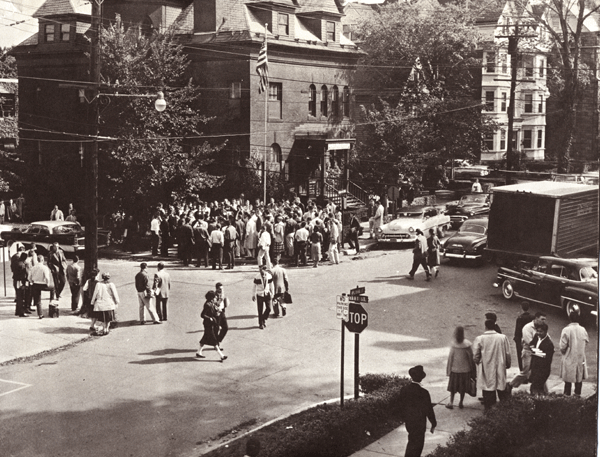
{"points": [[507, 289], [572, 307]]}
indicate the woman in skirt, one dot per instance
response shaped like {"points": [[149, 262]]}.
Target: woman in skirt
{"points": [[210, 320], [104, 302], [278, 239], [460, 367]]}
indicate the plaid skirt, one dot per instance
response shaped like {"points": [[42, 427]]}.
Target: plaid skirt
{"points": [[278, 247]]}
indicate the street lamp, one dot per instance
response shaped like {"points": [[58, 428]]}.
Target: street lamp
{"points": [[160, 104]]}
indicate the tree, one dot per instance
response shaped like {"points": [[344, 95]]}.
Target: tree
{"points": [[422, 66], [151, 156], [565, 22], [8, 64]]}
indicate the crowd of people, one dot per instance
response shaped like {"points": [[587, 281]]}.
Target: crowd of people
{"points": [[215, 234], [12, 210]]}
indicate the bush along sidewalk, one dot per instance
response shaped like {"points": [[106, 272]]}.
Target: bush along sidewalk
{"points": [[529, 426], [328, 430]]}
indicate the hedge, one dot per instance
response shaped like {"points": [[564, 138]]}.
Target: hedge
{"points": [[529, 426], [328, 430]]}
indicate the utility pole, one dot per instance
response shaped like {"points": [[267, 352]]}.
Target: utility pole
{"points": [[513, 44], [91, 168]]}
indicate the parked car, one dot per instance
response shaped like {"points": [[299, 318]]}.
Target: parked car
{"points": [[403, 229], [469, 242], [553, 281], [468, 206], [69, 235]]}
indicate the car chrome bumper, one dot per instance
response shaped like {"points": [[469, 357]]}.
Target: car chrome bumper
{"points": [[462, 256], [395, 240]]}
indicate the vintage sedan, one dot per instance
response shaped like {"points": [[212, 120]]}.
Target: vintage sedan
{"points": [[404, 228], [553, 281], [469, 205], [40, 235], [469, 242]]}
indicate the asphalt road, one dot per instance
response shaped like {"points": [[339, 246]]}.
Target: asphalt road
{"points": [[141, 392]]}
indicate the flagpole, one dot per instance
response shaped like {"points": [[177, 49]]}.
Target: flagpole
{"points": [[265, 151]]}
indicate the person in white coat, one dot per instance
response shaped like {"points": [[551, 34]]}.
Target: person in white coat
{"points": [[491, 353], [573, 341], [251, 236]]}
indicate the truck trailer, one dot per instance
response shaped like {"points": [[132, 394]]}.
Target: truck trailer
{"points": [[534, 219]]}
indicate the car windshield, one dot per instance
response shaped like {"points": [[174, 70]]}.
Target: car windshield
{"points": [[36, 228], [414, 214], [472, 228], [588, 274], [70, 228], [473, 199]]}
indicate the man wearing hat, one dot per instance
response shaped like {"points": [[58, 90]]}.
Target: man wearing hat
{"points": [[415, 409], [419, 256]]}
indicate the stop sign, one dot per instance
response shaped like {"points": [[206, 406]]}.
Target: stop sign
{"points": [[358, 318]]}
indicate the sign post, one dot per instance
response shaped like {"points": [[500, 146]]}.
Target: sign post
{"points": [[341, 312], [358, 320], [355, 318]]}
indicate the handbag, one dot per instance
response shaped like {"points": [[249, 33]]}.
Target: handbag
{"points": [[472, 387], [287, 298]]}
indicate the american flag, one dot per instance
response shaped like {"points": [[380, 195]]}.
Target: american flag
{"points": [[262, 68]]}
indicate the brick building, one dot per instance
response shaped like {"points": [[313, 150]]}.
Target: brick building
{"points": [[309, 98]]}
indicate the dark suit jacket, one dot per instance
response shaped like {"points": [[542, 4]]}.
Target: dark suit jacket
{"points": [[57, 262], [524, 318], [540, 367], [416, 408]]}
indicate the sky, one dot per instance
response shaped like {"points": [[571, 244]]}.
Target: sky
{"points": [[16, 23]]}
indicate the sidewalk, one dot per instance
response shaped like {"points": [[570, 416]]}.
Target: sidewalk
{"points": [[449, 421]]}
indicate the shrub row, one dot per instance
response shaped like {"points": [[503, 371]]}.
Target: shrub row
{"points": [[528, 426], [328, 430]]}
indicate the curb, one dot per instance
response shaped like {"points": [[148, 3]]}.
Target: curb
{"points": [[272, 421]]}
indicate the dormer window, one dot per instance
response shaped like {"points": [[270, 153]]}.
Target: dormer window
{"points": [[65, 32], [48, 33], [330, 31], [283, 24]]}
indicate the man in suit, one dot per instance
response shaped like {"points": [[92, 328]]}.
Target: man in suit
{"points": [[419, 256], [542, 349], [162, 285], [144, 292], [415, 409], [58, 266], [187, 241]]}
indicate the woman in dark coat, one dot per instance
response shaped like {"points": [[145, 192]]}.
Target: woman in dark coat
{"points": [[210, 320]]}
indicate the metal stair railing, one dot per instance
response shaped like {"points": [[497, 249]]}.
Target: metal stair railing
{"points": [[358, 192]]}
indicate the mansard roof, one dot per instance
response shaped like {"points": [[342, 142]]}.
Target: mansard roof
{"points": [[318, 6], [63, 7]]}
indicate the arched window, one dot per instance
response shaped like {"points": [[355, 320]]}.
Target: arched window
{"points": [[324, 100], [312, 101], [147, 27], [275, 154], [346, 101], [335, 101]]}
